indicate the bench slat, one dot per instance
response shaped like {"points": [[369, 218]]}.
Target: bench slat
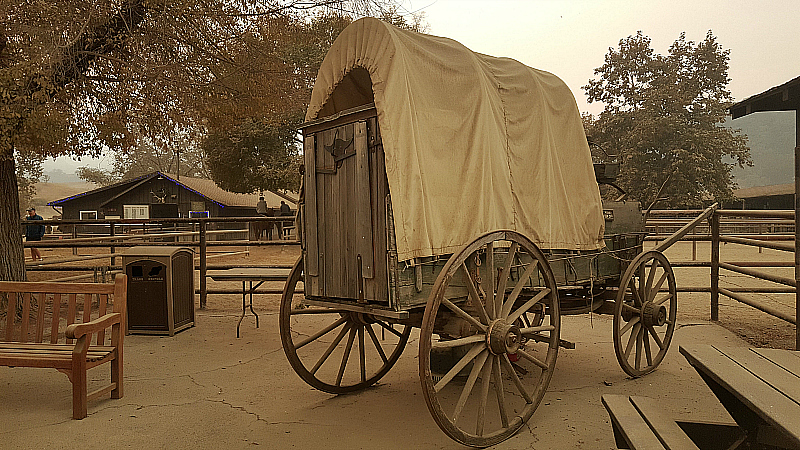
{"points": [[56, 318], [63, 288], [11, 311], [629, 424], [40, 318], [72, 300], [26, 313], [666, 429]]}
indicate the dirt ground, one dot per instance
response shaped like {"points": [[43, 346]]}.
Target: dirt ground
{"points": [[206, 388], [752, 325]]}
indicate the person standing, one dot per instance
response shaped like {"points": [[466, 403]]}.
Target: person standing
{"points": [[34, 233]]}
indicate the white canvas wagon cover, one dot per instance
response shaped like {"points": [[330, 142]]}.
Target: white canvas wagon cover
{"points": [[473, 143]]}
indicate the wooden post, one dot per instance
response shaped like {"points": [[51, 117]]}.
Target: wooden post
{"points": [[797, 234], [113, 233], [75, 236], [694, 245], [203, 292], [714, 224]]}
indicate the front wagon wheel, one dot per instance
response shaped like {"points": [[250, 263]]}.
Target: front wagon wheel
{"points": [[335, 350], [489, 338], [644, 314]]}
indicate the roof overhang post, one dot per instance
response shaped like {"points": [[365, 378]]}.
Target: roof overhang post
{"points": [[796, 232]]}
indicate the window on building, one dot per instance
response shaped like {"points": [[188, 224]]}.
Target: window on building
{"points": [[88, 215], [136, 212]]}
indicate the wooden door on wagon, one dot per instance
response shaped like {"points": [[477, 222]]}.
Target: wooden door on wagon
{"points": [[345, 212]]}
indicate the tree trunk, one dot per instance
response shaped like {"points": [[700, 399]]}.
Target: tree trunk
{"points": [[12, 255]]}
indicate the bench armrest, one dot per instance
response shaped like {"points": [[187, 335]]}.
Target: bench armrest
{"points": [[77, 330]]}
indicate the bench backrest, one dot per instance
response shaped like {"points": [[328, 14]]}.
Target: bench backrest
{"points": [[41, 311]]}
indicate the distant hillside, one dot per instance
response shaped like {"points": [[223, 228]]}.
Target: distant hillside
{"points": [[59, 176], [771, 137], [47, 192]]}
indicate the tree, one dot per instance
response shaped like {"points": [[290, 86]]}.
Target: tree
{"points": [[82, 76], [663, 117]]}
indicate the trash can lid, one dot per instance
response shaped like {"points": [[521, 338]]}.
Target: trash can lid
{"points": [[153, 250]]}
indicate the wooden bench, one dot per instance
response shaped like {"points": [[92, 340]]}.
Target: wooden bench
{"points": [[639, 423], [51, 325]]}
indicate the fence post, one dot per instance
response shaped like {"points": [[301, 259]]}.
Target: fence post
{"points": [[203, 292], [112, 234], [75, 236], [714, 224]]}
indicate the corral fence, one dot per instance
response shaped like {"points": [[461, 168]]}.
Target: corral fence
{"points": [[773, 229], [200, 234]]}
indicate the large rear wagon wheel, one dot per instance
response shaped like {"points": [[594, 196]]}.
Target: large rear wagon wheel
{"points": [[483, 368], [335, 350], [644, 317]]}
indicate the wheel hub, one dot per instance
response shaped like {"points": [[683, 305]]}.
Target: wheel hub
{"points": [[654, 315], [503, 337]]}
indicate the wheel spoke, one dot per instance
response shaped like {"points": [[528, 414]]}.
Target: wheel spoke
{"points": [[512, 297], [389, 329], [528, 305], [473, 376], [320, 333], [532, 359], [662, 300], [491, 300], [350, 338], [330, 348], [533, 330], [362, 355], [637, 299], [638, 356], [377, 344], [652, 294], [484, 396], [651, 275], [632, 339], [498, 390], [631, 308], [463, 314], [459, 342], [655, 337], [473, 294], [647, 352], [628, 326], [471, 354], [501, 286], [515, 378]]}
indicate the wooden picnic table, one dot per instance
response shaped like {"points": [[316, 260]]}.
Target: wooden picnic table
{"points": [[759, 387]]}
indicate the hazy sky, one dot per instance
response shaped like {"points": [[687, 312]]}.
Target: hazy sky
{"points": [[570, 37]]}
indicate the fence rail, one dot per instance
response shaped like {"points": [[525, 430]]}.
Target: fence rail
{"points": [[761, 229]]}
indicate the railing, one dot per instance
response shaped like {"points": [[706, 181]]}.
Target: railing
{"points": [[762, 229], [180, 228]]}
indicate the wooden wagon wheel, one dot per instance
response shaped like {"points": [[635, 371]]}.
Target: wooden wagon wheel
{"points": [[644, 318], [483, 369], [335, 350]]}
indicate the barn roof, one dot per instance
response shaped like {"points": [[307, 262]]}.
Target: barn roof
{"points": [[765, 191], [785, 97], [203, 187]]}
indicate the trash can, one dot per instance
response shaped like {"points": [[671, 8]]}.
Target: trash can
{"points": [[160, 289]]}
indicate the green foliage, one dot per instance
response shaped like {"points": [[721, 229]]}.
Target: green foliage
{"points": [[255, 155], [664, 117]]}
